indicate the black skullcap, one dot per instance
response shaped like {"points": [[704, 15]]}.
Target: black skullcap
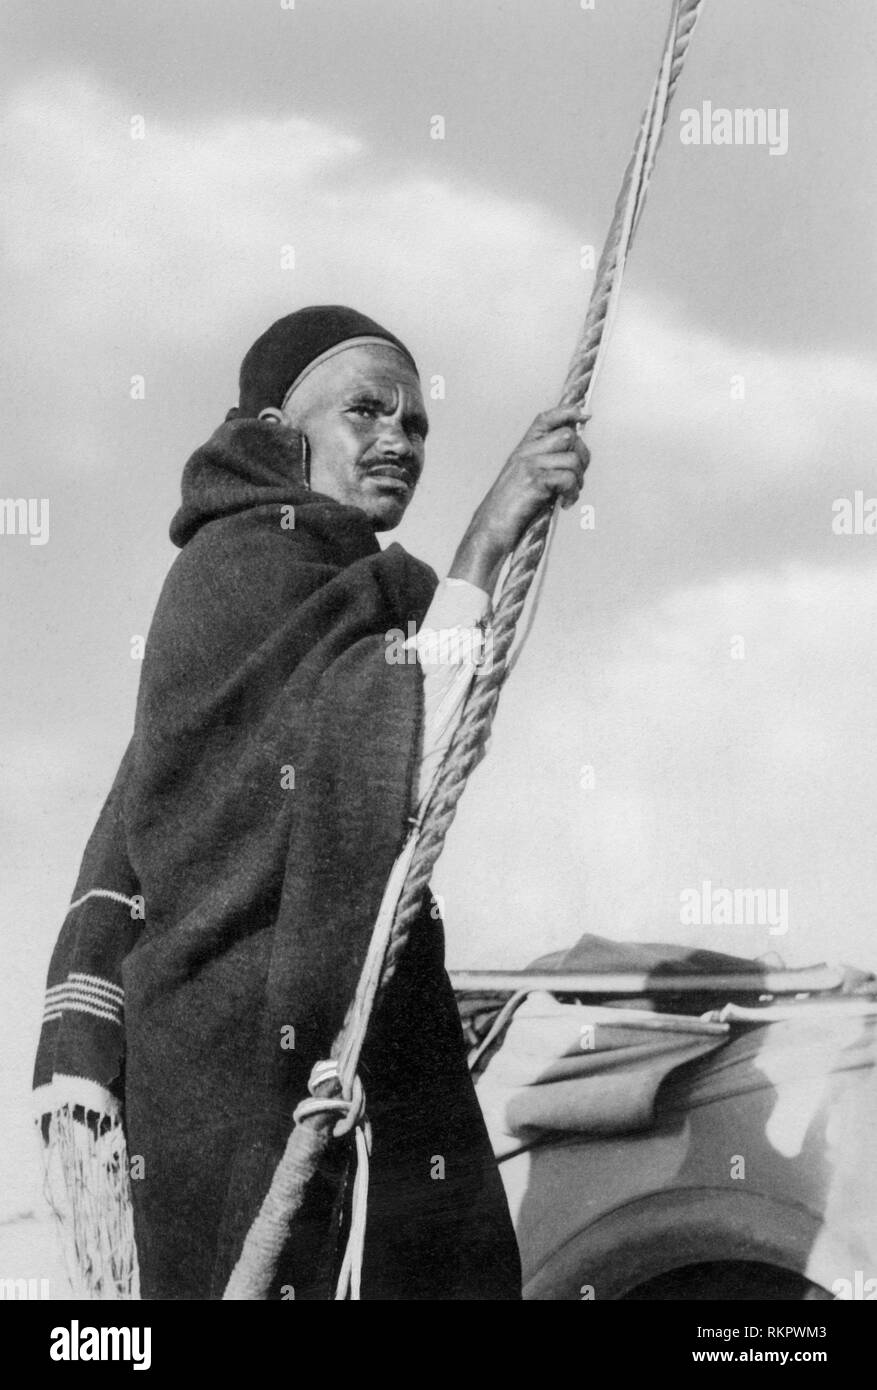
{"points": [[290, 345]]}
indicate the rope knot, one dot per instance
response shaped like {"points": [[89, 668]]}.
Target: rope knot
{"points": [[350, 1109], [352, 1117], [322, 1074]]}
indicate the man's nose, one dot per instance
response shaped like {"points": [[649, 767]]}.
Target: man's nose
{"points": [[393, 439]]}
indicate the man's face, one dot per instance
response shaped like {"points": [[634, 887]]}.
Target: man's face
{"points": [[365, 422]]}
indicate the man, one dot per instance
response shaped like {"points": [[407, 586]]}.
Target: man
{"points": [[228, 892]]}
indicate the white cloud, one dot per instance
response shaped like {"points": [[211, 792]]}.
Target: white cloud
{"points": [[169, 241], [808, 407], [753, 773]]}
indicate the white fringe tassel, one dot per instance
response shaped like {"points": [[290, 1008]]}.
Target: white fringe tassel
{"points": [[88, 1189]]}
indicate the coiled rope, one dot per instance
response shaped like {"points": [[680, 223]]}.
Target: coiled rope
{"points": [[334, 1085]]}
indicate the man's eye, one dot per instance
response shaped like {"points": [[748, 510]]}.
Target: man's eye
{"points": [[367, 408]]}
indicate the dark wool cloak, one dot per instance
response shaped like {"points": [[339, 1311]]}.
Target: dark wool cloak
{"points": [[252, 826]]}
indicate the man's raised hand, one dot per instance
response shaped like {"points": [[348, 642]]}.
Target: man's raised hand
{"points": [[549, 463]]}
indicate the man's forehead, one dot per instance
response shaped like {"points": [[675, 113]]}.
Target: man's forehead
{"points": [[358, 369], [371, 366]]}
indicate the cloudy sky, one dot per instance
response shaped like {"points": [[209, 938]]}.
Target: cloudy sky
{"points": [[750, 763]]}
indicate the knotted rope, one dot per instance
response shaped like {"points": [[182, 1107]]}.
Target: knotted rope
{"points": [[334, 1085], [352, 1118]]}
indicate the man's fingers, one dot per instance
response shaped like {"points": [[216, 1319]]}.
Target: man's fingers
{"points": [[557, 441], [565, 479], [552, 419], [583, 452]]}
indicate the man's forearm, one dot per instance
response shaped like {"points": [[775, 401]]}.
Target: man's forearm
{"points": [[478, 558]]}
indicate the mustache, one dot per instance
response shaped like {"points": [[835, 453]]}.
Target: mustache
{"points": [[406, 471]]}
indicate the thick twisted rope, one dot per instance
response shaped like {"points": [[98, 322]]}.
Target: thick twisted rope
{"points": [[335, 1089], [480, 706]]}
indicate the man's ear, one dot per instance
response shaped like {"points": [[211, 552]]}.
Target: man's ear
{"points": [[276, 417]]}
